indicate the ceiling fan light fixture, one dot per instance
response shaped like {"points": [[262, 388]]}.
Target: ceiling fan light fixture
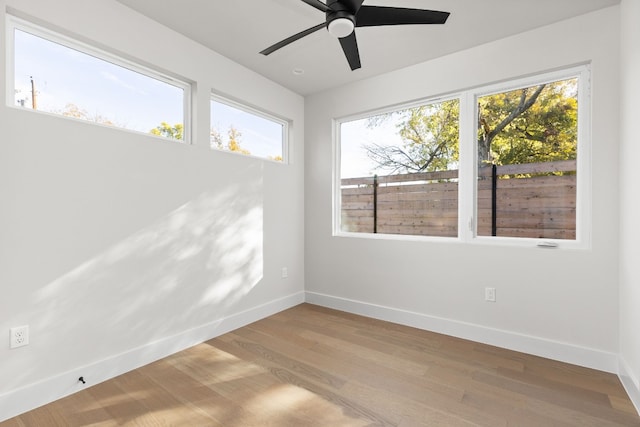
{"points": [[341, 27], [342, 16]]}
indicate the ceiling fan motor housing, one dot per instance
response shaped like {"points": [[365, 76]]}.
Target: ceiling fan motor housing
{"points": [[338, 13], [340, 24], [331, 16]]}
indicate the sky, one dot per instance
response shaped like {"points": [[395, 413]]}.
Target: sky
{"points": [[131, 100], [262, 137], [134, 101], [65, 76], [355, 135]]}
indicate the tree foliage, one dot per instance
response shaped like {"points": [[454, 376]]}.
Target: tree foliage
{"points": [[166, 130], [430, 140], [232, 143], [535, 124], [72, 110]]}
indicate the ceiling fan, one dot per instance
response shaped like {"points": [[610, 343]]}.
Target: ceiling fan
{"points": [[342, 16]]}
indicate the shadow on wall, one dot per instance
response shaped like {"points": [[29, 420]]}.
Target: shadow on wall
{"points": [[185, 270]]}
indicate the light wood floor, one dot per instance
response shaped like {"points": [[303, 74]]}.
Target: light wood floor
{"points": [[311, 366]]}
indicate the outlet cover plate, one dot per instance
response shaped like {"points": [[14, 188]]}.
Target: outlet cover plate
{"points": [[490, 294], [19, 336]]}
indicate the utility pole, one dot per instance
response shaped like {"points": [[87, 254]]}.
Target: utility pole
{"points": [[34, 103]]}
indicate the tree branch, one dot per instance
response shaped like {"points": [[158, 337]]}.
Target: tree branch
{"points": [[523, 106]]}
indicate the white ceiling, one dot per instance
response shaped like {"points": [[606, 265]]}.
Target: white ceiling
{"points": [[239, 29]]}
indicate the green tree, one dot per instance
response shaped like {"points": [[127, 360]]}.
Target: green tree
{"points": [[232, 143], [166, 130], [535, 124], [430, 139]]}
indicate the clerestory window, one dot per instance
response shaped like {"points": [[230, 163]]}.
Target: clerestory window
{"points": [[240, 129], [56, 74]]}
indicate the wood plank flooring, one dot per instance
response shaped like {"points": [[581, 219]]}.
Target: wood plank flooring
{"points": [[312, 366]]}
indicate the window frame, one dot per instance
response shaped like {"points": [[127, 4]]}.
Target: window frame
{"points": [[16, 23], [229, 102], [467, 175], [337, 200]]}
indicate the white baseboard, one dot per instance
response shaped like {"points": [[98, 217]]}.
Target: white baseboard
{"points": [[630, 382], [37, 394], [555, 350]]}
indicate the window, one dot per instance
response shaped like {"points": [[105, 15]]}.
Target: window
{"points": [[505, 164], [527, 149], [399, 171], [55, 74], [243, 130]]}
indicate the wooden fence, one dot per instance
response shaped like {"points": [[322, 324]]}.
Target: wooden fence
{"points": [[529, 200]]}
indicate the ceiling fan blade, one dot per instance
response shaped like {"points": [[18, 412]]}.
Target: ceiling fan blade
{"points": [[293, 38], [353, 5], [318, 5], [350, 47], [370, 16]]}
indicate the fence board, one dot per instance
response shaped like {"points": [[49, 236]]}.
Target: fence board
{"points": [[424, 205], [423, 176], [539, 234], [357, 191], [437, 199], [538, 181], [357, 198], [427, 203], [358, 206], [531, 168], [420, 231], [419, 188]]}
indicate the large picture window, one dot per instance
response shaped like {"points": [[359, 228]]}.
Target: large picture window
{"points": [[55, 74], [506, 163]]}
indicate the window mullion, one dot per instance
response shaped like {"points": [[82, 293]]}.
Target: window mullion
{"points": [[467, 172], [584, 165]]}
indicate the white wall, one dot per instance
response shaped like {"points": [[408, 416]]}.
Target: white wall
{"points": [[557, 303], [112, 240], [630, 200]]}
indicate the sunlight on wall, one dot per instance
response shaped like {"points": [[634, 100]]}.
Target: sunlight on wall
{"points": [[185, 270]]}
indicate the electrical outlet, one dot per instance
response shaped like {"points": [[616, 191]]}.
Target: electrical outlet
{"points": [[490, 294], [285, 272], [19, 336]]}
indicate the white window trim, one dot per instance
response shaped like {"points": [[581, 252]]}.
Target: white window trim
{"points": [[262, 114], [467, 178], [15, 23], [337, 202]]}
